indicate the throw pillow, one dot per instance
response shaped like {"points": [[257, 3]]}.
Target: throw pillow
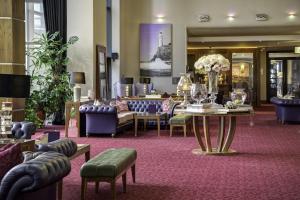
{"points": [[122, 106], [10, 156], [167, 105]]}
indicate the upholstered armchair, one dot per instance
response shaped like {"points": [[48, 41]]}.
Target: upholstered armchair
{"points": [[23, 130], [64, 146], [287, 110], [36, 177]]}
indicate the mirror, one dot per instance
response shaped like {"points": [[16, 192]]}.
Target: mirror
{"points": [[101, 73]]}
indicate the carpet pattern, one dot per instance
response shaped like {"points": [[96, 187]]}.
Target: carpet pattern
{"points": [[267, 166]]}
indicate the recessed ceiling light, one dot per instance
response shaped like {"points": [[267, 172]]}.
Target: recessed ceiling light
{"points": [[231, 17], [292, 15], [262, 17], [204, 18]]}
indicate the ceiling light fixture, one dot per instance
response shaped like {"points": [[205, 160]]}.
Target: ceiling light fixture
{"points": [[160, 17], [262, 17], [292, 15], [231, 17], [204, 18]]}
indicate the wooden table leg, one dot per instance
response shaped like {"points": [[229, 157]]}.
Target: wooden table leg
{"points": [[207, 134], [87, 156], [158, 126], [67, 110], [197, 132], [145, 124], [221, 133], [230, 134], [135, 126], [59, 190]]}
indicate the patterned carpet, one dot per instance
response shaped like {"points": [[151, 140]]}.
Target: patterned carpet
{"points": [[267, 166]]}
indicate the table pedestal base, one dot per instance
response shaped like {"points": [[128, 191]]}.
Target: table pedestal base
{"points": [[213, 152]]}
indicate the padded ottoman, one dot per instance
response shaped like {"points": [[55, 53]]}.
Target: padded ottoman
{"points": [[108, 166], [181, 120]]}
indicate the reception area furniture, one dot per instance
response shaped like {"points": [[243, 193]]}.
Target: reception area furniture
{"points": [[145, 116], [287, 110], [38, 175], [108, 166], [105, 119], [223, 141], [181, 120]]}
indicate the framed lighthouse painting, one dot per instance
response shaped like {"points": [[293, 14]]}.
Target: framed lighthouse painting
{"points": [[155, 50]]}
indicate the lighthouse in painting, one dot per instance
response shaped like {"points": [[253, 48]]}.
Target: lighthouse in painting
{"points": [[160, 39]]}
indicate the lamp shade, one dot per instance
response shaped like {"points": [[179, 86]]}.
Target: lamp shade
{"points": [[145, 80], [127, 80], [14, 86], [77, 78]]}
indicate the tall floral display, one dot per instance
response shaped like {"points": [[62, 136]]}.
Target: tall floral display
{"points": [[212, 65]]}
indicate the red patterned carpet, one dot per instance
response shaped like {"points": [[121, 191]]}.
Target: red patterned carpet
{"points": [[267, 166]]}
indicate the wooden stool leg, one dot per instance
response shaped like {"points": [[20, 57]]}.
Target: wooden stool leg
{"points": [[83, 188], [124, 182], [97, 187], [113, 189], [171, 130], [184, 130], [133, 173]]}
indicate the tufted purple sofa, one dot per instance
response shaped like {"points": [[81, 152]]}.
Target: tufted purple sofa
{"points": [[287, 110], [106, 120]]}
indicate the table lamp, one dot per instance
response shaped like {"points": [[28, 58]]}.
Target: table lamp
{"points": [[184, 86], [77, 78], [145, 82], [128, 81], [11, 86]]}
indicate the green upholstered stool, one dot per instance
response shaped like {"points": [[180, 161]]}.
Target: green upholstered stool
{"points": [[108, 166], [181, 120]]}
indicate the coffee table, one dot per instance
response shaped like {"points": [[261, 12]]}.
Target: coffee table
{"points": [[26, 145], [82, 149], [149, 116]]}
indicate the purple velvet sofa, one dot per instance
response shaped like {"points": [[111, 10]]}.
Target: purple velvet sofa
{"points": [[287, 110], [106, 120]]}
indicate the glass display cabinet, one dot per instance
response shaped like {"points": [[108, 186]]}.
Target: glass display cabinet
{"points": [[283, 74]]}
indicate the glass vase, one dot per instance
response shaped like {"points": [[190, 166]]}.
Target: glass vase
{"points": [[213, 85], [238, 96]]}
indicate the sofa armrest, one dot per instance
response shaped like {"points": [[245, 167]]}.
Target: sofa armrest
{"points": [[43, 170], [64, 146], [285, 102], [23, 130]]}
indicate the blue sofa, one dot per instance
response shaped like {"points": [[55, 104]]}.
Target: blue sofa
{"points": [[287, 110], [106, 120]]}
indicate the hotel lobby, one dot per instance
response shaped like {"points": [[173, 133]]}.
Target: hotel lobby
{"points": [[149, 99]]}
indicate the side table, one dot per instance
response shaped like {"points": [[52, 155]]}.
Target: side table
{"points": [[148, 116]]}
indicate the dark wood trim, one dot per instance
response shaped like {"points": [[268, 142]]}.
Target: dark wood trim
{"points": [[102, 49]]}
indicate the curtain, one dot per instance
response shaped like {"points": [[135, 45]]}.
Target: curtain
{"points": [[56, 17]]}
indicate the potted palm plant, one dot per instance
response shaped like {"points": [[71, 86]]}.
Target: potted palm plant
{"points": [[50, 86]]}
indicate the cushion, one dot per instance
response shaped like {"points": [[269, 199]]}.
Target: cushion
{"points": [[125, 116], [180, 119], [122, 105], [10, 156], [109, 163], [168, 104]]}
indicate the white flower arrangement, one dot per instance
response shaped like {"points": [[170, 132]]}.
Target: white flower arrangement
{"points": [[214, 62]]}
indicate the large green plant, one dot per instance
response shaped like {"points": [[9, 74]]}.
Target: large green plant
{"points": [[49, 79]]}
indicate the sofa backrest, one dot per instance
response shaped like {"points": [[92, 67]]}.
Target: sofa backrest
{"points": [[143, 105], [103, 109]]}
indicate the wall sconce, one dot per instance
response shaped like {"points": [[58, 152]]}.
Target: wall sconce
{"points": [[160, 17], [242, 70]]}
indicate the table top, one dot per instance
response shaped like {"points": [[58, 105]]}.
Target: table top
{"points": [[149, 115], [245, 110]]}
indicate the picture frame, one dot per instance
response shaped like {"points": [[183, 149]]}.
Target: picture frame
{"points": [[156, 50]]}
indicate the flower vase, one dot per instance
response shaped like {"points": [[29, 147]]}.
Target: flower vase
{"points": [[213, 85]]}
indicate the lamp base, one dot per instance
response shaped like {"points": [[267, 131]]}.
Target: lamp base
{"points": [[185, 99], [77, 93], [6, 118]]}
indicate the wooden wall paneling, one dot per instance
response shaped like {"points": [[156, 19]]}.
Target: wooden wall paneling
{"points": [[12, 69], [12, 8]]}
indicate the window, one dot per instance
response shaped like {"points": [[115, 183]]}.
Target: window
{"points": [[35, 24]]}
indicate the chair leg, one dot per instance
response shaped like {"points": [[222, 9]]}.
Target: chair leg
{"points": [[97, 187], [184, 130], [83, 188], [133, 172], [171, 130], [124, 182], [113, 189]]}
